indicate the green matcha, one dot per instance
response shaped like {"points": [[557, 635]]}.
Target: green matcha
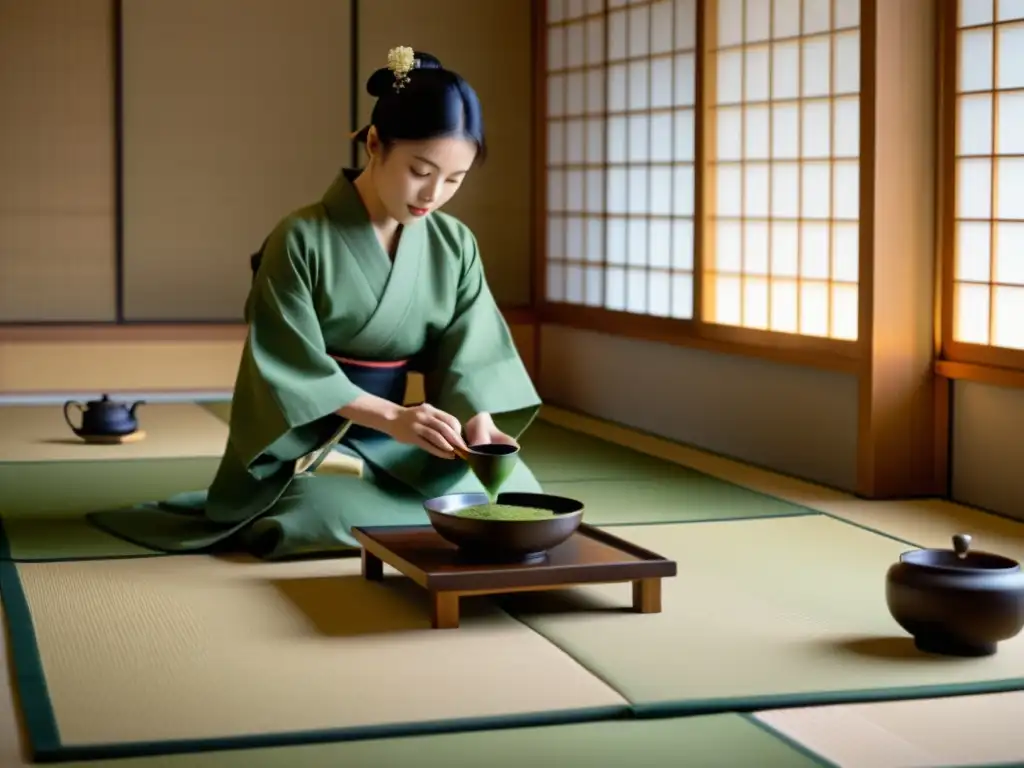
{"points": [[504, 512]]}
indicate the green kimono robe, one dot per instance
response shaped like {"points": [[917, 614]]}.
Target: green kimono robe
{"points": [[326, 287]]}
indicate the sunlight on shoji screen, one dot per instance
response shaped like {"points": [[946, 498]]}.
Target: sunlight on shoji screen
{"points": [[783, 252], [621, 84], [989, 242]]}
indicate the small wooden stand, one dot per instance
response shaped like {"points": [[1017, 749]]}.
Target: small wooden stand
{"points": [[131, 437], [590, 556]]}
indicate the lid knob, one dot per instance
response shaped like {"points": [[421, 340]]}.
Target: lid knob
{"points": [[962, 543]]}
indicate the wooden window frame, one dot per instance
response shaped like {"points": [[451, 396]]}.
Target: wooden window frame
{"points": [[697, 333], [955, 359]]}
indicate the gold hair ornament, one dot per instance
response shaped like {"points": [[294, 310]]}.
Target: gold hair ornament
{"points": [[402, 61]]}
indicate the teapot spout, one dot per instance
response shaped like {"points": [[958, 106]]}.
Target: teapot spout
{"points": [[131, 410]]}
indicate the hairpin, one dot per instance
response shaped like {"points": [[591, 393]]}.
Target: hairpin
{"points": [[401, 61]]}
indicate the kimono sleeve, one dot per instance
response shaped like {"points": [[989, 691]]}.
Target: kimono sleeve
{"points": [[475, 364], [289, 388]]}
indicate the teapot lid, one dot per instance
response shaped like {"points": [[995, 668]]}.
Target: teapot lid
{"points": [[960, 558]]}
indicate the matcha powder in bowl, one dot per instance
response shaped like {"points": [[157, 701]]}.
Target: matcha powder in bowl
{"points": [[504, 512]]}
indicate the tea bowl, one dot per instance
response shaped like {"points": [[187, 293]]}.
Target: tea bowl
{"points": [[510, 541]]}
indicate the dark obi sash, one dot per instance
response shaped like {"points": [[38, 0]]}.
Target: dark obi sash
{"points": [[385, 379]]}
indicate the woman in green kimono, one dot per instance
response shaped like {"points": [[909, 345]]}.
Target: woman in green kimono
{"points": [[351, 294]]}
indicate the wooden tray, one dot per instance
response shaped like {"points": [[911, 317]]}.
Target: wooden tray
{"points": [[589, 556]]}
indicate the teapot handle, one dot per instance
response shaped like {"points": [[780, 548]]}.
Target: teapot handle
{"points": [[67, 418]]}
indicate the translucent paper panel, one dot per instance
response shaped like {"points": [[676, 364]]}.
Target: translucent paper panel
{"points": [[682, 245], [1008, 316], [1009, 9], [659, 293], [685, 24], [972, 12], [786, 18], [755, 302], [758, 22], [817, 67], [785, 249], [814, 251], [846, 127], [974, 125], [845, 300], [974, 189], [973, 251], [814, 308], [1009, 253], [817, 129], [615, 288], [556, 48], [730, 22], [682, 296], [847, 14], [755, 247], [1010, 188], [971, 313], [728, 253], [845, 252], [593, 279], [817, 16], [556, 237], [574, 286], [975, 71], [727, 295], [784, 306], [785, 70], [661, 26], [575, 44], [1010, 129], [729, 75], [574, 234], [1010, 63], [555, 281], [556, 191]]}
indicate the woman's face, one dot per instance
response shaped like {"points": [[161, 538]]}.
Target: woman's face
{"points": [[416, 177]]}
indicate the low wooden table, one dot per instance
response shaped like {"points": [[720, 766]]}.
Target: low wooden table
{"points": [[590, 556]]}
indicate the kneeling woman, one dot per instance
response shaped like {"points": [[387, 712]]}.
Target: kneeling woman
{"points": [[351, 294]]}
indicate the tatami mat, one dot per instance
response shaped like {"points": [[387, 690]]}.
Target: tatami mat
{"points": [[683, 498], [40, 433], [763, 613], [43, 504], [204, 650], [926, 522], [953, 731]]}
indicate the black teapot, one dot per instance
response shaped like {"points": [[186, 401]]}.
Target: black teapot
{"points": [[103, 417]]}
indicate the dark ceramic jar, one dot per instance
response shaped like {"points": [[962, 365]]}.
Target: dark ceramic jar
{"points": [[956, 602]]}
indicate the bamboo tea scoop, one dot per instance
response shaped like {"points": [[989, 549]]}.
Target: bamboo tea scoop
{"points": [[492, 464]]}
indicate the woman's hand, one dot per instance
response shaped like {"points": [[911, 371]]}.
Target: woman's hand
{"points": [[422, 425], [481, 430], [431, 429]]}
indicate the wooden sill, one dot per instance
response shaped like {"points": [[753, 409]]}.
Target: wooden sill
{"points": [[982, 374], [812, 352], [128, 332]]}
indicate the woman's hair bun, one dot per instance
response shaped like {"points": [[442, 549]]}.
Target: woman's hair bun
{"points": [[382, 81]]}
